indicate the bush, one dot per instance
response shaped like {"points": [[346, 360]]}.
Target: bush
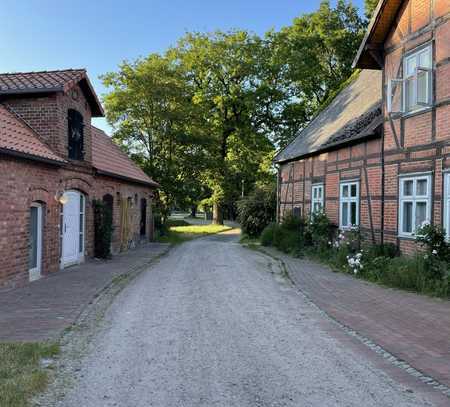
{"points": [[267, 234], [257, 210], [320, 231], [102, 229]]}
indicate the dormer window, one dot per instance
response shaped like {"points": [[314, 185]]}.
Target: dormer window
{"points": [[414, 91], [76, 135]]}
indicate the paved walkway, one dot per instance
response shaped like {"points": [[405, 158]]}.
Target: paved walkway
{"points": [[43, 309], [412, 327]]}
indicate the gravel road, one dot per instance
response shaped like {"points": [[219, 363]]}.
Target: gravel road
{"points": [[216, 324]]}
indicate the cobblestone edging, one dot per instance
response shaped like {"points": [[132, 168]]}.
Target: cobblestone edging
{"points": [[361, 338]]}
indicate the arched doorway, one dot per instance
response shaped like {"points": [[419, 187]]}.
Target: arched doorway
{"points": [[35, 243], [73, 228]]}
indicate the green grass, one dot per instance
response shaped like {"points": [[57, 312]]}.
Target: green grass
{"points": [[21, 374], [180, 234]]}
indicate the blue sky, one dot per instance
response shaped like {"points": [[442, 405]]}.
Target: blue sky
{"points": [[99, 34]]}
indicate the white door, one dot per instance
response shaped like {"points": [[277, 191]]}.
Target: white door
{"points": [[73, 228], [35, 244]]}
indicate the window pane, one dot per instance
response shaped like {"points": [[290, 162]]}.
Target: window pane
{"points": [[319, 192], [408, 188], [314, 193], [353, 192], [407, 217], [422, 87], [411, 64], [345, 191], [422, 187], [353, 210], [345, 214], [424, 59], [410, 85], [421, 213]]}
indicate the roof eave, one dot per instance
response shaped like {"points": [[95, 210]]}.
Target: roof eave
{"points": [[331, 147], [27, 156], [151, 183], [364, 59]]}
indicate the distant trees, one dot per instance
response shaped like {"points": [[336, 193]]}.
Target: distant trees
{"points": [[370, 6], [205, 118]]}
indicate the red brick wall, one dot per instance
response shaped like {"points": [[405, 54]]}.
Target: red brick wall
{"points": [[414, 143], [48, 116], [23, 182], [330, 169]]}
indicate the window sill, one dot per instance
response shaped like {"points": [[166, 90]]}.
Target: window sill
{"points": [[417, 112], [406, 237]]}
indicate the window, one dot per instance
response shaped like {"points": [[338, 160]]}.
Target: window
{"points": [[415, 203], [414, 91], [317, 198], [349, 205], [297, 212], [76, 135]]}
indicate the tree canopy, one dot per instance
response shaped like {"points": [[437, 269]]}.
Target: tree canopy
{"points": [[205, 118]]}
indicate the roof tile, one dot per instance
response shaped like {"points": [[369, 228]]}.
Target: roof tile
{"points": [[108, 158], [16, 136]]}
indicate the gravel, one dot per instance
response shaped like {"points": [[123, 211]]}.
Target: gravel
{"points": [[216, 324]]}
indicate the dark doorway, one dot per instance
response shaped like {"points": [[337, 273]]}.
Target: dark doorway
{"points": [[143, 217], [108, 200]]}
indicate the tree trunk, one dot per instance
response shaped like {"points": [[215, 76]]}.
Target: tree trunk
{"points": [[217, 214], [193, 211]]}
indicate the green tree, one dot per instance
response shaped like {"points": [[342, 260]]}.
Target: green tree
{"points": [[154, 121], [369, 6], [316, 54], [224, 71]]}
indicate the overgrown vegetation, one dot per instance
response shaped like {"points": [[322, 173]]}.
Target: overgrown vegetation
{"points": [[103, 229], [426, 272], [21, 373], [257, 210]]}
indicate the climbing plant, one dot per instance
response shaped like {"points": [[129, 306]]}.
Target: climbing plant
{"points": [[103, 229]]}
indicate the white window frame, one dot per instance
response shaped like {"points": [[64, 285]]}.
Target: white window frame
{"points": [[446, 203], [414, 199], [401, 83], [319, 198], [349, 200]]}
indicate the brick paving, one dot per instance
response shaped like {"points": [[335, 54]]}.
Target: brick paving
{"points": [[412, 327], [43, 309]]}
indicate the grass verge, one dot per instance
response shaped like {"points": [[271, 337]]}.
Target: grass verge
{"points": [[180, 234], [22, 374]]}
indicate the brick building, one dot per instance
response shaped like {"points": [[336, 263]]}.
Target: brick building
{"points": [[53, 164], [390, 181]]}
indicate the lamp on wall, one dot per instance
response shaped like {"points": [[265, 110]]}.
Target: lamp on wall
{"points": [[61, 198]]}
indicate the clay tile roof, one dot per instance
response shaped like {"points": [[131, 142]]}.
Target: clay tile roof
{"points": [[50, 81], [17, 138], [109, 159], [353, 114]]}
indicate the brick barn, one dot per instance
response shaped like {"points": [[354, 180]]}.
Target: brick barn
{"points": [[53, 164], [379, 156]]}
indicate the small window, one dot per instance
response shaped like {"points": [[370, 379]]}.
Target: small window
{"points": [[349, 205], [297, 212], [76, 135], [415, 203], [414, 91], [317, 198]]}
